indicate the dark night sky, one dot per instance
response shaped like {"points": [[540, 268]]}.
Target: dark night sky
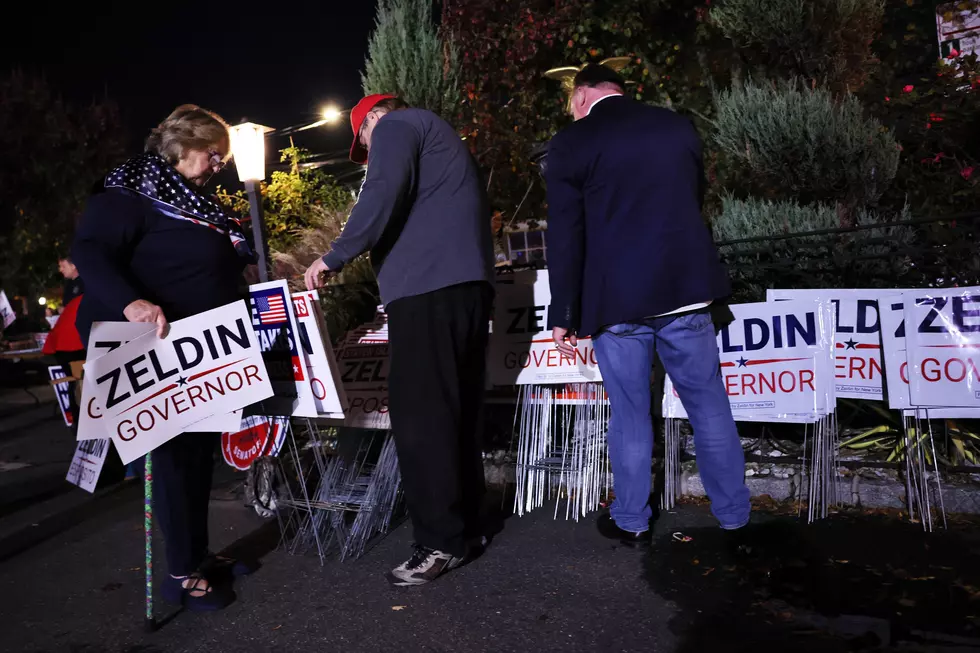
{"points": [[271, 63]]}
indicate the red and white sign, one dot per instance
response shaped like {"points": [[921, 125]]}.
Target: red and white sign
{"points": [[153, 389], [858, 363], [321, 366], [104, 337], [958, 30], [521, 349], [892, 311], [257, 436], [942, 331], [776, 363]]}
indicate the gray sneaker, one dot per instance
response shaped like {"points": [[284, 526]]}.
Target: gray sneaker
{"points": [[424, 566]]}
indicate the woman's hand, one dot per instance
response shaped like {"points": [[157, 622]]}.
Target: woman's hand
{"points": [[143, 311]]}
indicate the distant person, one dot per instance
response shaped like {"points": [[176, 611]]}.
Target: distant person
{"points": [[153, 247], [632, 264], [423, 214], [72, 286]]}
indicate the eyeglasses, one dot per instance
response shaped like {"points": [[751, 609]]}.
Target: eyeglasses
{"points": [[216, 160]]}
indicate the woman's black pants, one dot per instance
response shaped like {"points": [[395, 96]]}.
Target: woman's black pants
{"points": [[182, 470]]}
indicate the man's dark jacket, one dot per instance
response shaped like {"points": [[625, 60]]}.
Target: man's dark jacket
{"points": [[626, 240]]}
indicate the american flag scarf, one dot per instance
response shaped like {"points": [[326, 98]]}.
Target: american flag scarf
{"points": [[172, 195]]}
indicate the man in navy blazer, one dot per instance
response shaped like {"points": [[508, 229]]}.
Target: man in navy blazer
{"points": [[632, 265]]}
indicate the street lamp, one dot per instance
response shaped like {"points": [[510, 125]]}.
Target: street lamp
{"points": [[248, 148], [331, 114], [42, 301]]}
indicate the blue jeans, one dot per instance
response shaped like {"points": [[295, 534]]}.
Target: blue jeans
{"points": [[686, 345]]}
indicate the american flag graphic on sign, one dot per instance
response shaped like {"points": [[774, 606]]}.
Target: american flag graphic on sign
{"points": [[272, 309]]}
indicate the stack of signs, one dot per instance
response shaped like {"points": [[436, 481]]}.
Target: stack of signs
{"points": [[321, 366], [777, 363], [258, 436], [521, 349], [363, 365], [858, 362], [275, 326], [150, 389], [63, 392], [931, 340]]}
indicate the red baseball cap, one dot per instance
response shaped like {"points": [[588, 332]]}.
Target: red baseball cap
{"points": [[358, 154]]}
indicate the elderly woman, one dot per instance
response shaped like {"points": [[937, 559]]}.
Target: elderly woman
{"points": [[153, 247]]}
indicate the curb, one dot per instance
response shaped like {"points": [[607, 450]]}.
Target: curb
{"points": [[855, 491]]}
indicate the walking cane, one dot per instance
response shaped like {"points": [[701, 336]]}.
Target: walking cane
{"points": [[149, 622]]}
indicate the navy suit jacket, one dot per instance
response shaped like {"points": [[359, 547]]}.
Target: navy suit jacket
{"points": [[626, 240]]}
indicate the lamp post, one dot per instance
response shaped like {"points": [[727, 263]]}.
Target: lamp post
{"points": [[248, 148]]}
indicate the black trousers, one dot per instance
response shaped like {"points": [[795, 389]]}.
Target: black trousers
{"points": [[182, 470], [438, 349]]}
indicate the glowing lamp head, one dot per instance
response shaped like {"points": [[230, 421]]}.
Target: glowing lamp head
{"points": [[331, 114], [248, 149]]}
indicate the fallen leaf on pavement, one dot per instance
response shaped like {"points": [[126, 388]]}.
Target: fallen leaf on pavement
{"points": [[277, 627], [397, 607]]}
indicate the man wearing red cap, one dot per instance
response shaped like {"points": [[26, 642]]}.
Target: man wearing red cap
{"points": [[423, 215]]}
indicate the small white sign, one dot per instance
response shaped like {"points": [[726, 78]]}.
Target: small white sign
{"points": [[366, 409], [86, 464], [321, 366], [7, 315], [896, 364], [942, 331], [521, 350], [857, 360], [153, 389]]}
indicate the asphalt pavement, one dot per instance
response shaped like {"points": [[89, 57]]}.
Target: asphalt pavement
{"points": [[543, 585]]}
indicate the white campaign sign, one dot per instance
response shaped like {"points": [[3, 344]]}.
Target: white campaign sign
{"points": [[521, 349], [776, 362], [942, 330], [7, 315], [153, 389], [104, 337], [858, 363], [217, 423], [86, 464], [896, 363], [323, 372], [363, 367], [275, 327]]}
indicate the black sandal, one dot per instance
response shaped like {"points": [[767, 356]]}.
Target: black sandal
{"points": [[199, 596], [223, 566]]}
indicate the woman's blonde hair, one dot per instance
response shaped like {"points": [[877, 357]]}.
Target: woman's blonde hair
{"points": [[189, 127]]}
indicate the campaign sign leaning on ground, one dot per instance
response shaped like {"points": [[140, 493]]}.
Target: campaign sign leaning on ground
{"points": [[775, 362], [858, 361], [321, 366], [892, 311], [104, 337], [275, 326], [62, 391], [942, 335], [86, 464], [152, 388], [521, 349]]}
